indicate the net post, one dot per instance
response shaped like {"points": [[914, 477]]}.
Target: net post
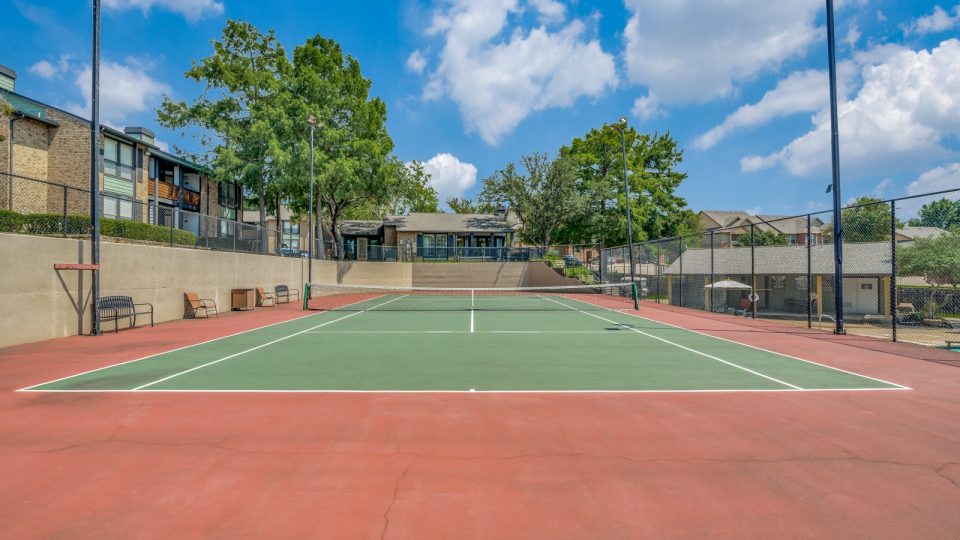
{"points": [[636, 296], [306, 295]]}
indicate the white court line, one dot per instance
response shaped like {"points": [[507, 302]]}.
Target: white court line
{"points": [[29, 388], [667, 341], [262, 345], [339, 391], [608, 332], [632, 313]]}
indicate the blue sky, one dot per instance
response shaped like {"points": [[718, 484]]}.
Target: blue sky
{"points": [[472, 85]]}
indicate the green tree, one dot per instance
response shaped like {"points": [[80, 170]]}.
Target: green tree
{"points": [[464, 205], [652, 161], [762, 238], [239, 108], [867, 220], [936, 260], [942, 213], [5, 110], [409, 191], [543, 199], [355, 172]]}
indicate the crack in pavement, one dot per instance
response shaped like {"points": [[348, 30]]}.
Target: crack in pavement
{"points": [[393, 501]]}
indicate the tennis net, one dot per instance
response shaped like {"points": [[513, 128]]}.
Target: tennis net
{"points": [[338, 297]]}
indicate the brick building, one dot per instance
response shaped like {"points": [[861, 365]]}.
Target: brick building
{"points": [[45, 167]]}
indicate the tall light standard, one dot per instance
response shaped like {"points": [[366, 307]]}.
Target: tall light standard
{"points": [[835, 186], [95, 172], [622, 126], [313, 123]]}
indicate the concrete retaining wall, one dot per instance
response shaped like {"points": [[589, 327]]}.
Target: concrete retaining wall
{"points": [[40, 303]]}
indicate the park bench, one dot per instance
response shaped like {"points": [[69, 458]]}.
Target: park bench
{"points": [[195, 305], [284, 292], [122, 307]]}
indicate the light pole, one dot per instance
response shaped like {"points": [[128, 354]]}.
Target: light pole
{"points": [[626, 193], [835, 186], [313, 123], [95, 172]]}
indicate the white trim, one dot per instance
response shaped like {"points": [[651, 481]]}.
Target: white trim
{"points": [[262, 345], [684, 347], [769, 351], [185, 347], [259, 391]]}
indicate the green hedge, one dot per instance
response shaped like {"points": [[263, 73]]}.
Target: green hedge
{"points": [[135, 230], [53, 224], [10, 221]]}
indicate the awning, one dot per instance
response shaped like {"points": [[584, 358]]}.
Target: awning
{"points": [[728, 284]]}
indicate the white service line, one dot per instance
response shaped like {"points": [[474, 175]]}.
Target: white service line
{"points": [[234, 355], [471, 320], [667, 341]]}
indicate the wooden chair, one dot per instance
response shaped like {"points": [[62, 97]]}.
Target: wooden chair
{"points": [[263, 297], [194, 305]]}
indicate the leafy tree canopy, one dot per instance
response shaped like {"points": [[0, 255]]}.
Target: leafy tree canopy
{"points": [[942, 213], [464, 205], [652, 161], [543, 196], [867, 220], [762, 238]]}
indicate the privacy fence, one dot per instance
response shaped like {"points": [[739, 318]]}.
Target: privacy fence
{"points": [[900, 259]]}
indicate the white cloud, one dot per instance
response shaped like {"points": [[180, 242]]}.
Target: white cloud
{"points": [[416, 62], [938, 179], [646, 107], [125, 89], [43, 69], [498, 73], [882, 189], [550, 11], [192, 10], [802, 91], [450, 176], [853, 36], [938, 21], [908, 104], [693, 52]]}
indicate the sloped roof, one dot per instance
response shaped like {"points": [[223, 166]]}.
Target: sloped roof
{"points": [[449, 223], [869, 258], [736, 219], [361, 227], [791, 224], [914, 233]]}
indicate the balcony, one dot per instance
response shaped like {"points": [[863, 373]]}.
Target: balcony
{"points": [[166, 190]]}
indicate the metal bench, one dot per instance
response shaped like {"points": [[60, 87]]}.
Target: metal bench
{"points": [[283, 292], [122, 307]]}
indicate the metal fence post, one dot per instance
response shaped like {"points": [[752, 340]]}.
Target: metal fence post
{"points": [[753, 272], [659, 270], [65, 195], [809, 273], [711, 273], [893, 269], [680, 283]]}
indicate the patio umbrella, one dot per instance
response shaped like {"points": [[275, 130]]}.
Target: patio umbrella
{"points": [[728, 284]]}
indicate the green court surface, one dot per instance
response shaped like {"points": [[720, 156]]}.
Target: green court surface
{"points": [[388, 344]]}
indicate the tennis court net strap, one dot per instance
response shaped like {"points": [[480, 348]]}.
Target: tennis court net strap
{"points": [[324, 296]]}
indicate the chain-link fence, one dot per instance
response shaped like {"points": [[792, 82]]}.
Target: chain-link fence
{"points": [[39, 207], [900, 264]]}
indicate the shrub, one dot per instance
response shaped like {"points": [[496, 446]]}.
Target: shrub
{"points": [[136, 230], [582, 273], [54, 224], [10, 221]]}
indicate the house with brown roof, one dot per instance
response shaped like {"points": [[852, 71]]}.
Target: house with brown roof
{"points": [[730, 226], [430, 236]]}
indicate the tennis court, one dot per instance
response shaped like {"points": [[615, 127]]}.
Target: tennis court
{"points": [[468, 340]]}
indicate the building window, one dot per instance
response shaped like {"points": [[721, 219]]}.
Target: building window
{"points": [[291, 234], [117, 159], [227, 194]]}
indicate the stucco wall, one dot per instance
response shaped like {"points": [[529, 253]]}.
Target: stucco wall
{"points": [[38, 305]]}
